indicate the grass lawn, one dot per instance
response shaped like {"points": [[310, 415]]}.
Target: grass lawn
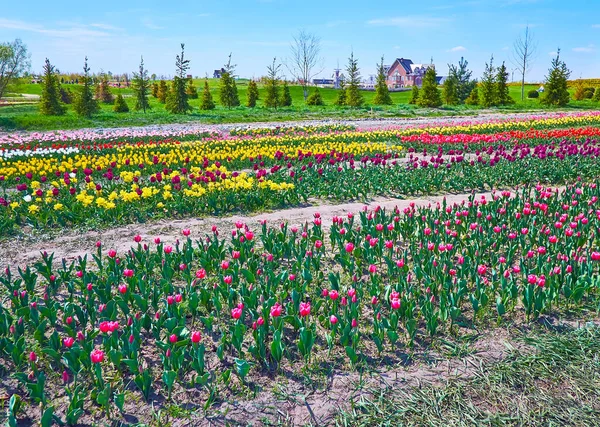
{"points": [[27, 116]]}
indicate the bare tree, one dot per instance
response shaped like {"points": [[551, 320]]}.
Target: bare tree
{"points": [[524, 50], [305, 50], [14, 60]]}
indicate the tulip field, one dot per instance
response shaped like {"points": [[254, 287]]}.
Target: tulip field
{"points": [[214, 314]]}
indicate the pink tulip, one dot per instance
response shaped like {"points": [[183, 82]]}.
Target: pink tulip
{"points": [[196, 336], [333, 319], [304, 309], [97, 356]]}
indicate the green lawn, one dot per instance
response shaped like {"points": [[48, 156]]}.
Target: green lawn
{"points": [[27, 117]]}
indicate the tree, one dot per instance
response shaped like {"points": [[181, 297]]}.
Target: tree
{"points": [[315, 98], [14, 61], [579, 93], [272, 85], [462, 76], [596, 97], [556, 92], [488, 94], [305, 50], [524, 49], [162, 92], [502, 94], [120, 104], [252, 94], [382, 93], [177, 99], [228, 93], [191, 90], [50, 103], [155, 90], [286, 97], [342, 98], [429, 95], [103, 93], [473, 98], [450, 91], [353, 96], [141, 87], [207, 102], [85, 104], [66, 96], [414, 97]]}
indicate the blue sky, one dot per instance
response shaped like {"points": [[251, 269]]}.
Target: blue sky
{"points": [[114, 35]]}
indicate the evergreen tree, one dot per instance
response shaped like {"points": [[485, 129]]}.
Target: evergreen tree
{"points": [[163, 91], [464, 83], [429, 95], [341, 99], [556, 92], [252, 94], [177, 99], [450, 91], [120, 104], [489, 97], [141, 87], [207, 102], [191, 90], [353, 96], [502, 93], [272, 85], [66, 96], [382, 93], [228, 93], [315, 98], [50, 103], [414, 98], [85, 104], [579, 93], [596, 97], [473, 98], [155, 90], [103, 93], [286, 97]]}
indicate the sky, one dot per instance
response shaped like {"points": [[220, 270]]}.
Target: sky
{"points": [[115, 34]]}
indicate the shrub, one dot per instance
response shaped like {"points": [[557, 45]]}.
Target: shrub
{"points": [[588, 93], [430, 94], [415, 95], [596, 97], [315, 98], [207, 100], [252, 94], [120, 105], [473, 98], [533, 94]]}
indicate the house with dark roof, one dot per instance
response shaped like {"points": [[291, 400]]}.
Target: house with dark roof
{"points": [[404, 73]]}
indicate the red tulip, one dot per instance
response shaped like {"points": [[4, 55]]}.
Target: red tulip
{"points": [[97, 356], [173, 339], [236, 313], [276, 310], [196, 337], [68, 342], [32, 356]]}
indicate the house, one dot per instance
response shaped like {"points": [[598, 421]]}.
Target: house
{"points": [[217, 73], [404, 73]]}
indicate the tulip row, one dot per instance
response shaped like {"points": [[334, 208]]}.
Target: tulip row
{"points": [[189, 315]]}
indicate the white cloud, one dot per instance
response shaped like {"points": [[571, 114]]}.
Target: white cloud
{"points": [[457, 49], [149, 23], [585, 49], [409, 22], [75, 31]]}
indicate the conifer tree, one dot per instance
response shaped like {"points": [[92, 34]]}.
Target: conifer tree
{"points": [[177, 99], [163, 91], [191, 90], [207, 102], [462, 75], [141, 87], [596, 97], [450, 91], [579, 93], [103, 93], [502, 93], [85, 104], [489, 96], [252, 94], [353, 96], [414, 98], [382, 93], [341, 99], [50, 103], [272, 85], [315, 98], [120, 104], [228, 93], [429, 95], [286, 96], [556, 92], [155, 90], [473, 98], [66, 96]]}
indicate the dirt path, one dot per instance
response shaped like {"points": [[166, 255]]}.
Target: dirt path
{"points": [[72, 244]]}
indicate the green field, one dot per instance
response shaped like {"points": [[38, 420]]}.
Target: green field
{"points": [[27, 116]]}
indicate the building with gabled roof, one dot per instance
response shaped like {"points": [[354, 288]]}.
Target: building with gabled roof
{"points": [[404, 73]]}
